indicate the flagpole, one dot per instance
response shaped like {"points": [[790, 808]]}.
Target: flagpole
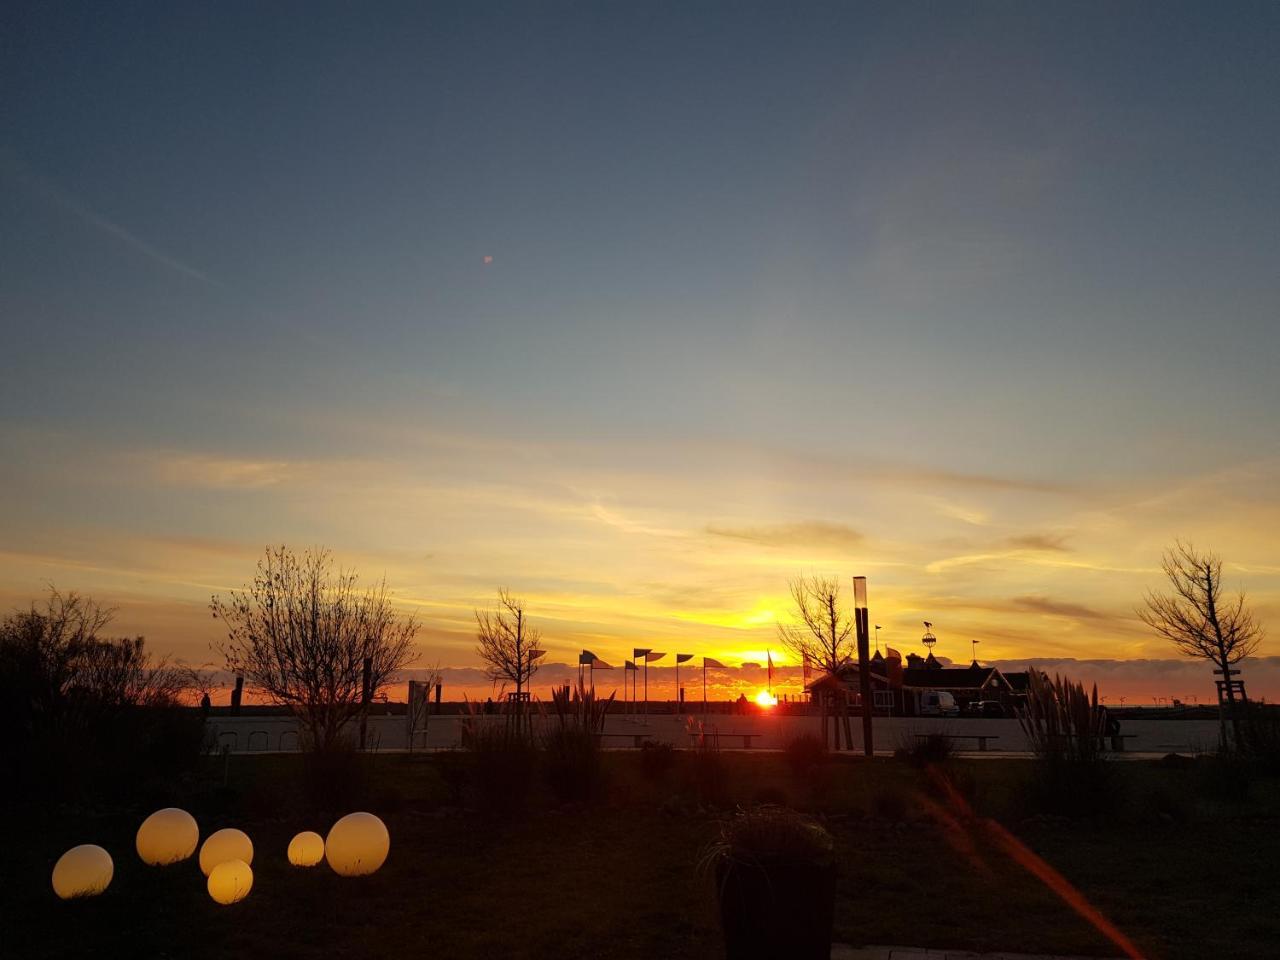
{"points": [[704, 689]]}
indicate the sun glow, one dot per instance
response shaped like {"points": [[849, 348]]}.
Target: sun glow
{"points": [[766, 699]]}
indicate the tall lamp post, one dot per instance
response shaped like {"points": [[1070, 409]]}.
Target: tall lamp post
{"points": [[864, 659]]}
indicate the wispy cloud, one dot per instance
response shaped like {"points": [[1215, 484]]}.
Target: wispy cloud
{"points": [[806, 533], [1039, 541], [229, 473], [1059, 608], [62, 199]]}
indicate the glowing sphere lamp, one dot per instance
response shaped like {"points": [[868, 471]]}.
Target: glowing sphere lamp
{"points": [[357, 845], [306, 849], [230, 882], [167, 836], [223, 845], [83, 871]]}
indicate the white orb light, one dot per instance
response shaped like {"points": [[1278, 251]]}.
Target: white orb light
{"points": [[357, 845], [230, 881], [306, 849], [167, 836], [223, 845], [83, 871]]}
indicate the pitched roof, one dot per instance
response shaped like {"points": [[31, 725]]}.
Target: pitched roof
{"points": [[949, 678]]}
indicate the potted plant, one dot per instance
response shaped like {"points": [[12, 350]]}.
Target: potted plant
{"points": [[775, 880]]}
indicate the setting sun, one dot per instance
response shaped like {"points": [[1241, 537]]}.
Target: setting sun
{"points": [[765, 699]]}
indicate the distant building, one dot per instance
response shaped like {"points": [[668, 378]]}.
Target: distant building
{"points": [[900, 690]]}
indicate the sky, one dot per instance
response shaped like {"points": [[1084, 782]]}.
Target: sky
{"points": [[641, 310]]}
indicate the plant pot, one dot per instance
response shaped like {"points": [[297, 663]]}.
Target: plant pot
{"points": [[776, 908]]}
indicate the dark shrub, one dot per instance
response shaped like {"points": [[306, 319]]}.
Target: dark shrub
{"points": [[503, 768], [933, 748], [805, 752], [775, 881]]}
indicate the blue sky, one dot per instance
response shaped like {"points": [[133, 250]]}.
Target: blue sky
{"points": [[943, 277]]}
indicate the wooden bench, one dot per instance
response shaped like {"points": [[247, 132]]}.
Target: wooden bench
{"points": [[715, 735], [982, 738]]}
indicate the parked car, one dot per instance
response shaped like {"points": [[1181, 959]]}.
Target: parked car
{"points": [[938, 703], [985, 708]]}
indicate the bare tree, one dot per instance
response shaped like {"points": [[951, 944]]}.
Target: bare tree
{"points": [[201, 682], [302, 633], [508, 644], [1199, 618], [822, 629]]}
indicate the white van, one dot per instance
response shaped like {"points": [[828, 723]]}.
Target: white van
{"points": [[938, 703]]}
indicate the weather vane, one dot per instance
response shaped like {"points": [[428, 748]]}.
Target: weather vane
{"points": [[928, 639]]}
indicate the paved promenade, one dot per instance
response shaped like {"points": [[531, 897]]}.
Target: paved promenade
{"points": [[844, 952], [1150, 735]]}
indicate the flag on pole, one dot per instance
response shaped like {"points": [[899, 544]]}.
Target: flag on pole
{"points": [[601, 665], [683, 657], [586, 657], [639, 652], [769, 656], [652, 655], [708, 662], [630, 666]]}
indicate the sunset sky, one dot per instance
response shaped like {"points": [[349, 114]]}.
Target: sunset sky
{"points": [[642, 313]]}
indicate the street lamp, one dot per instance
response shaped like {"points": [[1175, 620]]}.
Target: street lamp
{"points": [[864, 658]]}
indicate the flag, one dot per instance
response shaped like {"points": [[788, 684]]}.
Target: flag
{"points": [[586, 657], [599, 664], [652, 655], [683, 657], [630, 666], [639, 652], [806, 666], [769, 655], [708, 662]]}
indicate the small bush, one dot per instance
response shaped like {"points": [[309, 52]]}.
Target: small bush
{"points": [[804, 752], [657, 757], [503, 768], [931, 749], [768, 833]]}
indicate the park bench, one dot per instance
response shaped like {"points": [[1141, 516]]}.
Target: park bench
{"points": [[982, 738]]}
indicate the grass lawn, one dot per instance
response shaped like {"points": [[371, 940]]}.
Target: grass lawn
{"points": [[618, 877]]}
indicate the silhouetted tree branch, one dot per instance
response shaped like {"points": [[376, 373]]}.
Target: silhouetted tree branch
{"points": [[509, 646], [821, 631], [1197, 617], [301, 634]]}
